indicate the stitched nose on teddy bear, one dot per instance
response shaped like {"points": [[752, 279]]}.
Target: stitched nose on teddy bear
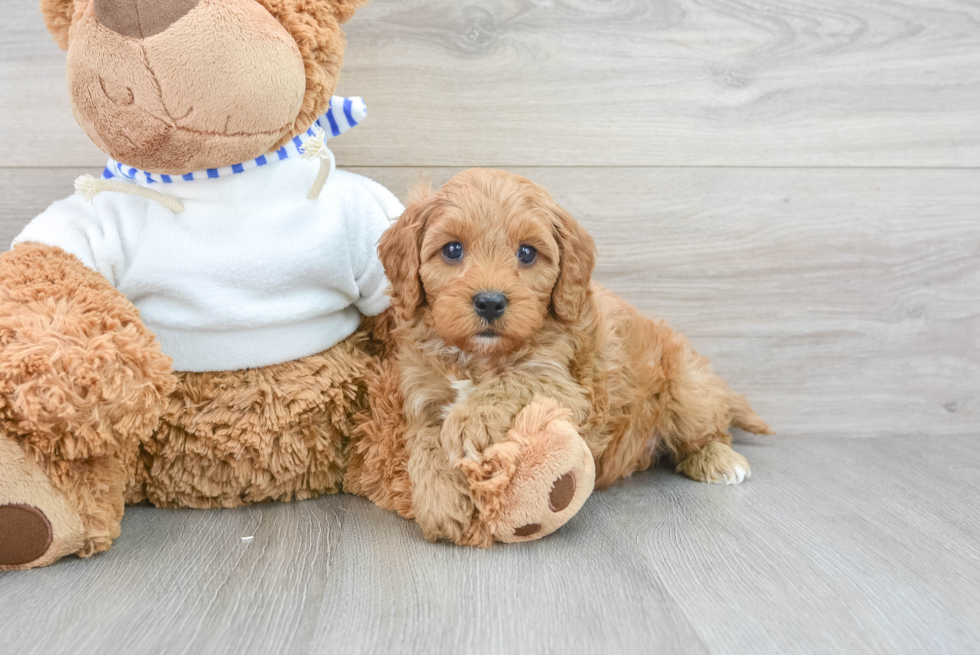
{"points": [[141, 18]]}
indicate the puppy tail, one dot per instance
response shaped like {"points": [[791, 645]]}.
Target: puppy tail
{"points": [[745, 418]]}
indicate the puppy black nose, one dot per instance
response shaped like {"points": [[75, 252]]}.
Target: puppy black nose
{"points": [[490, 305]]}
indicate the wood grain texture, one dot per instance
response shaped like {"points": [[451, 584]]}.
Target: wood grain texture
{"points": [[833, 546], [615, 82], [794, 185], [841, 303], [180, 577]]}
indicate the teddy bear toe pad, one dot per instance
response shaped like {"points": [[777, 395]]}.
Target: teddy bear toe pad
{"points": [[25, 536], [38, 524], [561, 496], [562, 492], [528, 530]]}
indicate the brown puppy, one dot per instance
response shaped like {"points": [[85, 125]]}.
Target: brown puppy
{"points": [[491, 284]]}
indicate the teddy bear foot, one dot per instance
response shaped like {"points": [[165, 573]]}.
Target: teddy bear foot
{"points": [[38, 526], [531, 484]]}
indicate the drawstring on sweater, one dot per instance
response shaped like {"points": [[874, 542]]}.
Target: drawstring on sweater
{"points": [[88, 187], [315, 147], [342, 114]]}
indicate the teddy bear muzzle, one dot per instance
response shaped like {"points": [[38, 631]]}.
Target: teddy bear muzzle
{"points": [[152, 93]]}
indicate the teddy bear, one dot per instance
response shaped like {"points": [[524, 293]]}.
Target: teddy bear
{"points": [[206, 324]]}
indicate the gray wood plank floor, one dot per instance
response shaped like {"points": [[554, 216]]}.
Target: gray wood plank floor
{"points": [[795, 185], [833, 546]]}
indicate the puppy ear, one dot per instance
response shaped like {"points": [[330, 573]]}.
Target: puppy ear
{"points": [[57, 18], [344, 9], [399, 251], [577, 263]]}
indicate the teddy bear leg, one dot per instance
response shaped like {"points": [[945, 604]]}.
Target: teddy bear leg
{"points": [[276, 433], [81, 383], [50, 509], [38, 524], [535, 481]]}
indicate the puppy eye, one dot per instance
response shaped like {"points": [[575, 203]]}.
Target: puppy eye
{"points": [[527, 254], [453, 251]]}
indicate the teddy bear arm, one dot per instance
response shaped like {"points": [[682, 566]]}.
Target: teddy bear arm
{"points": [[535, 481], [82, 382]]}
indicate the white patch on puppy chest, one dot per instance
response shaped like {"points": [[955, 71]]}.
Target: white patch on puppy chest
{"points": [[463, 389]]}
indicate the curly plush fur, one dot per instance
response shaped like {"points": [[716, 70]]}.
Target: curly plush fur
{"points": [[87, 395], [274, 433], [91, 414], [378, 465], [635, 388], [82, 381]]}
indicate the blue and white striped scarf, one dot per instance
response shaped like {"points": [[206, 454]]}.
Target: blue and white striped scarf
{"points": [[343, 114]]}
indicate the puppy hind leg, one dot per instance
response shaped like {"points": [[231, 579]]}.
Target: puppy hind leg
{"points": [[701, 442], [715, 463], [702, 408]]}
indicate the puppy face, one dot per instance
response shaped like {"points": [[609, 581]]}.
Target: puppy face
{"points": [[484, 260], [488, 265]]}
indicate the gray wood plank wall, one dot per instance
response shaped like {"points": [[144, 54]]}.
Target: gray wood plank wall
{"points": [[795, 185]]}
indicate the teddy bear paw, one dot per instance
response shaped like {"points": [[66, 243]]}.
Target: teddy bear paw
{"points": [[531, 484], [560, 498], [38, 526]]}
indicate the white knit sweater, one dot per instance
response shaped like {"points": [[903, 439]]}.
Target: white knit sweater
{"points": [[252, 273]]}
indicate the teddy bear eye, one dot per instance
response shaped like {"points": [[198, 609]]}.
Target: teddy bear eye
{"points": [[527, 254], [453, 251]]}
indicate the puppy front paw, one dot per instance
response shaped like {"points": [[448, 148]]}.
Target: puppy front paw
{"points": [[443, 507], [468, 431], [716, 463]]}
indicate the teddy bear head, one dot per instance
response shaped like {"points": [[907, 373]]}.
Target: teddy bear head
{"points": [[174, 86]]}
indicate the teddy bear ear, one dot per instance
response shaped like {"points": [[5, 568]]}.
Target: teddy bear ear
{"points": [[57, 18], [344, 9]]}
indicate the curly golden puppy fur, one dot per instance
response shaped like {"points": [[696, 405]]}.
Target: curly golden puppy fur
{"points": [[491, 283]]}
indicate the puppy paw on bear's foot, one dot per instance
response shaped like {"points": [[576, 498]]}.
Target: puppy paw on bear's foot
{"points": [[534, 482]]}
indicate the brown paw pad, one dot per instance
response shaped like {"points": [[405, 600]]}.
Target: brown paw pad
{"points": [[562, 492], [25, 534], [527, 530]]}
